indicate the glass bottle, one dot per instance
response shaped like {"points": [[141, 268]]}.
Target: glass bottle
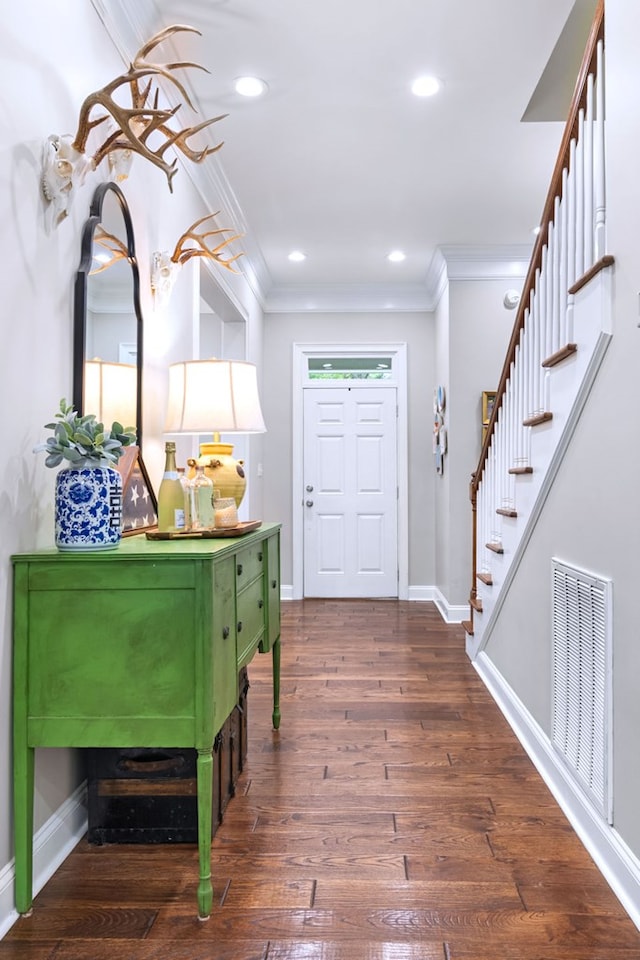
{"points": [[201, 501], [186, 489], [170, 494]]}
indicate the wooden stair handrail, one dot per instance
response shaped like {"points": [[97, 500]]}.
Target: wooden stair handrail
{"points": [[577, 103]]}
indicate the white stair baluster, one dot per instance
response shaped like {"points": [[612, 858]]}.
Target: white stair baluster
{"points": [[600, 239], [589, 220]]}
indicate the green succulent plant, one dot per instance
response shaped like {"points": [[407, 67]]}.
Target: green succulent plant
{"points": [[78, 439]]}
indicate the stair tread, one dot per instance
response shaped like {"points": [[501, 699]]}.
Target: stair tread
{"points": [[537, 419], [567, 351], [507, 512], [496, 547], [476, 603], [520, 471], [468, 626], [485, 578]]}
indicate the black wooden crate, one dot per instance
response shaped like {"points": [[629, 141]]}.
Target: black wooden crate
{"points": [[149, 795]]}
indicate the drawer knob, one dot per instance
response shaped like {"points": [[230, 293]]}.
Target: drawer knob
{"points": [[260, 604], [260, 556], [239, 626], [225, 632], [274, 584], [239, 569]]}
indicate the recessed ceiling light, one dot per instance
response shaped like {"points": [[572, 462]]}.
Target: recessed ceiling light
{"points": [[425, 86], [396, 256], [250, 86], [297, 256]]}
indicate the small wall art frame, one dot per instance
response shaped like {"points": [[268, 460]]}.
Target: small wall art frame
{"points": [[488, 401], [439, 428]]}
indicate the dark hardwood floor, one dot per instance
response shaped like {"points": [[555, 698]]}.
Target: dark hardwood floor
{"points": [[393, 816]]}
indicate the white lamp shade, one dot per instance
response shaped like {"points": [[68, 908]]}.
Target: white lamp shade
{"points": [[110, 392], [213, 396]]}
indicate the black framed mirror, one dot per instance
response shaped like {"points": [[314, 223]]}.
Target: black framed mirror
{"points": [[107, 321], [108, 340]]}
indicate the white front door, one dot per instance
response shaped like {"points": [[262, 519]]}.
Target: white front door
{"points": [[350, 492]]}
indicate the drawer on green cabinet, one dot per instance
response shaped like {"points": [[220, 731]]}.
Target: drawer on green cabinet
{"points": [[251, 620], [272, 594], [224, 641], [249, 563]]}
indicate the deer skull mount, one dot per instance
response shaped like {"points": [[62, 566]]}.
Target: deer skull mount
{"points": [[164, 266], [62, 169], [143, 128], [163, 275]]}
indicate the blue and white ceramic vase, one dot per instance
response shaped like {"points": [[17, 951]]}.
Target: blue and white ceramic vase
{"points": [[88, 507]]}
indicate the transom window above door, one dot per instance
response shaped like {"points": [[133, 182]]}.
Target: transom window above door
{"points": [[372, 367]]}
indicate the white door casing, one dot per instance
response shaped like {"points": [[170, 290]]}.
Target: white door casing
{"points": [[350, 498], [300, 381]]}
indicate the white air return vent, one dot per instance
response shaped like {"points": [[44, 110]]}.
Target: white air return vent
{"points": [[581, 695]]}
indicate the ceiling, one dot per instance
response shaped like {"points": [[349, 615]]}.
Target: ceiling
{"points": [[341, 161]]}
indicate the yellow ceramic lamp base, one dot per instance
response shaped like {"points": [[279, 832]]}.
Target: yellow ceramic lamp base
{"points": [[222, 468]]}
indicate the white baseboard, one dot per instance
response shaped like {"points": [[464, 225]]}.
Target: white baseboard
{"points": [[422, 593], [450, 613], [52, 844], [618, 865]]}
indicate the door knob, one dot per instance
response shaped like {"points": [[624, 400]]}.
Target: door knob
{"points": [[309, 503], [309, 488]]}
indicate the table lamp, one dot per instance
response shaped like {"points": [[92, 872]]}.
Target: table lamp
{"points": [[215, 396], [110, 392]]}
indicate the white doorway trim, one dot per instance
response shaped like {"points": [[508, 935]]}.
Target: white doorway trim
{"points": [[301, 354]]}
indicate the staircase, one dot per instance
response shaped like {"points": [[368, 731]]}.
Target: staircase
{"points": [[561, 333]]}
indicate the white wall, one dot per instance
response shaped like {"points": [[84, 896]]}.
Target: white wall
{"points": [[443, 481], [38, 271], [51, 57]]}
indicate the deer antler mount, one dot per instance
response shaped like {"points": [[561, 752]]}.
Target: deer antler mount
{"points": [[164, 266], [143, 127]]}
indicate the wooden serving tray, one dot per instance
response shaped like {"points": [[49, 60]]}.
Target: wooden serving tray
{"points": [[238, 531]]}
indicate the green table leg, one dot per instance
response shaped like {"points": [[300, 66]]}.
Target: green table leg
{"points": [[23, 763], [276, 684], [204, 772]]}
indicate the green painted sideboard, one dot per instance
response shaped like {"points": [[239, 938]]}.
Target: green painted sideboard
{"points": [[137, 647]]}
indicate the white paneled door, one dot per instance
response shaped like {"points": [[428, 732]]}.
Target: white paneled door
{"points": [[350, 492]]}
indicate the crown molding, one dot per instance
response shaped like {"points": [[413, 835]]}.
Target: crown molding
{"points": [[348, 298], [496, 262], [448, 263]]}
